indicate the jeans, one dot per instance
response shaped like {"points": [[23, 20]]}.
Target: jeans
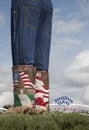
{"points": [[31, 23]]}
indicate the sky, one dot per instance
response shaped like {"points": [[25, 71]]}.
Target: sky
{"points": [[69, 55]]}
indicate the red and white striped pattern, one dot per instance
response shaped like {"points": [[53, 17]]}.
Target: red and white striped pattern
{"points": [[16, 83], [41, 93], [26, 80]]}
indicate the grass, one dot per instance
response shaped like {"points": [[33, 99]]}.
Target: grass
{"points": [[46, 121]]}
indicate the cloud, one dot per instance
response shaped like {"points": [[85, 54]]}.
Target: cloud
{"points": [[67, 32], [77, 75], [2, 19], [86, 95], [67, 42], [71, 26], [78, 72], [84, 7], [6, 86], [56, 13], [6, 98]]}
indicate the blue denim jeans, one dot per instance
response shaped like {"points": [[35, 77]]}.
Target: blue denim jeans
{"points": [[31, 23]]}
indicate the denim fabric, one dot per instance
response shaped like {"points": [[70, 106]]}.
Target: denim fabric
{"points": [[31, 23]]}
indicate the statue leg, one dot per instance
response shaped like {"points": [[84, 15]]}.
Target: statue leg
{"points": [[42, 58], [24, 25]]}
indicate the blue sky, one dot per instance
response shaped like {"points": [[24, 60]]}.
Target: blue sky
{"points": [[69, 56]]}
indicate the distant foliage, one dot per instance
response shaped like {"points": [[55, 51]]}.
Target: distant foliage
{"points": [[45, 121]]}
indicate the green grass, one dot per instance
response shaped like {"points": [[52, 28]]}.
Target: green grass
{"points": [[45, 121]]}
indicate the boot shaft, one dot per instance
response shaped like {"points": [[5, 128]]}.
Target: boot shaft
{"points": [[24, 83], [44, 77], [42, 90]]}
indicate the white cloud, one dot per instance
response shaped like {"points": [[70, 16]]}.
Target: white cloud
{"points": [[77, 74], [6, 98], [86, 95], [67, 42], [81, 61], [71, 26], [6, 87], [66, 33]]}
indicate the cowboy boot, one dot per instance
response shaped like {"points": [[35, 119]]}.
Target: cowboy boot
{"points": [[42, 90], [23, 81]]}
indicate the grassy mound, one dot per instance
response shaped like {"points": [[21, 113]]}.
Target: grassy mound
{"points": [[45, 121]]}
